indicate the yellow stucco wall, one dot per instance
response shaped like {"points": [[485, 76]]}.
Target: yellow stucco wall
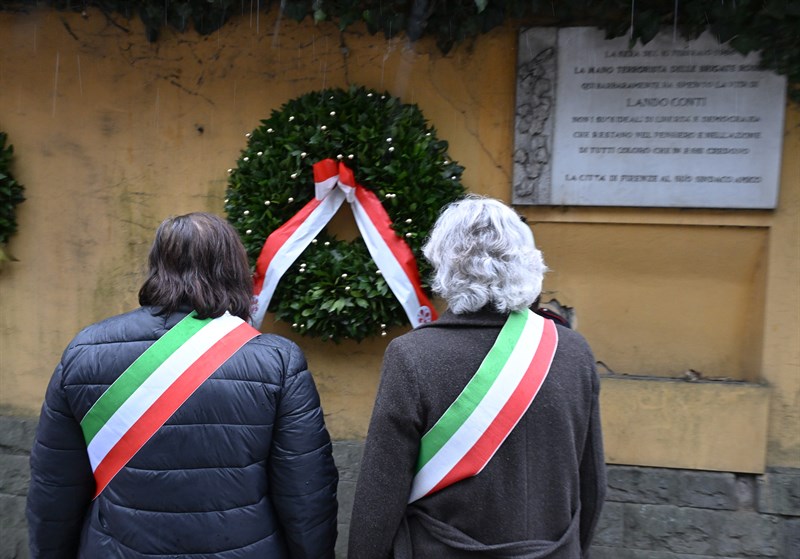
{"points": [[701, 425], [106, 134]]}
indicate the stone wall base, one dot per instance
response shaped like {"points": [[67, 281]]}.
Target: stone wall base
{"points": [[16, 437], [650, 513]]}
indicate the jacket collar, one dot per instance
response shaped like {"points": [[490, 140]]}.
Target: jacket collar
{"points": [[172, 319], [485, 317]]}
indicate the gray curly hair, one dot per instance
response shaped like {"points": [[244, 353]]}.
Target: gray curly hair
{"points": [[484, 254]]}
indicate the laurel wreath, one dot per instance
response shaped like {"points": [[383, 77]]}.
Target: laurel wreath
{"points": [[334, 290]]}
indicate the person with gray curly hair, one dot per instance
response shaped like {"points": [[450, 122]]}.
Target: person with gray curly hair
{"points": [[484, 254], [485, 437]]}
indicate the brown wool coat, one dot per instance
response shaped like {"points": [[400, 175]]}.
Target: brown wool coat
{"points": [[548, 475]]}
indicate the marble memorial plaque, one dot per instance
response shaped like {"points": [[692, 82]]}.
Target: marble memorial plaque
{"points": [[674, 123]]}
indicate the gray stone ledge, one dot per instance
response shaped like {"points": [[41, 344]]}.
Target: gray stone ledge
{"points": [[671, 528], [746, 491], [13, 528], [708, 490], [14, 545], [791, 539], [779, 492], [609, 531], [632, 484], [16, 434], [751, 534], [347, 455], [702, 532], [15, 474], [650, 513], [686, 488], [602, 552]]}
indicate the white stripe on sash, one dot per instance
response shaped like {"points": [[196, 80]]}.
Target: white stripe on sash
{"points": [[484, 414], [155, 385]]}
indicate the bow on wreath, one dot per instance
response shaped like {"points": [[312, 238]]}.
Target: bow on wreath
{"points": [[334, 183]]}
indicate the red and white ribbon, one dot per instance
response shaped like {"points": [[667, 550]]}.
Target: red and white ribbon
{"points": [[334, 183]]}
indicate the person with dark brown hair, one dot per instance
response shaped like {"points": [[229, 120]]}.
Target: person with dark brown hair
{"points": [[179, 430]]}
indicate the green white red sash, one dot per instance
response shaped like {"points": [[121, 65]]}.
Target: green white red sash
{"points": [[334, 183], [469, 433], [148, 392]]}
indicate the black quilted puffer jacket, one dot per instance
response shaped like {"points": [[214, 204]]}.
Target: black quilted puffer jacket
{"points": [[242, 470]]}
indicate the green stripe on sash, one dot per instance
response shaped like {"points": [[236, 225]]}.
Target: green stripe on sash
{"points": [[475, 389], [137, 373]]}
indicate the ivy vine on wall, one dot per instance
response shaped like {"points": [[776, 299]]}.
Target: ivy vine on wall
{"points": [[10, 197], [769, 26]]}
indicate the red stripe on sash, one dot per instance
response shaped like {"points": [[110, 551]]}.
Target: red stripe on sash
{"points": [[166, 404], [401, 251], [277, 239], [484, 448]]}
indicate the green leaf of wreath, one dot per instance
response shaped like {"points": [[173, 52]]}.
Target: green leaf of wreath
{"points": [[334, 289], [10, 196]]}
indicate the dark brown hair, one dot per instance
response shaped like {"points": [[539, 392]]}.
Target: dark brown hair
{"points": [[197, 260]]}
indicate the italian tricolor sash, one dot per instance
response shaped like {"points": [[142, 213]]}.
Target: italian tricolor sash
{"points": [[469, 433], [148, 392], [334, 183]]}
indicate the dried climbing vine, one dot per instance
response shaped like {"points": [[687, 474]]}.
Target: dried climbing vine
{"points": [[768, 26]]}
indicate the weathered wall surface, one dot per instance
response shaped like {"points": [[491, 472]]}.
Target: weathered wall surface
{"points": [[669, 292], [112, 134]]}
